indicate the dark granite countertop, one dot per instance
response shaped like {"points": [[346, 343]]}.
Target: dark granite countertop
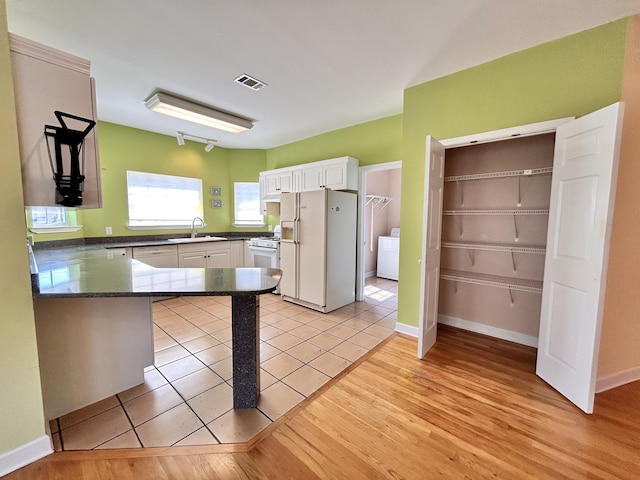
{"points": [[94, 271]]}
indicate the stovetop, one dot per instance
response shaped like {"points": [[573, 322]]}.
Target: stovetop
{"points": [[270, 242]]}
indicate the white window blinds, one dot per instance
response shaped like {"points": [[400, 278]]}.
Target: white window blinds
{"points": [[246, 203], [163, 200]]}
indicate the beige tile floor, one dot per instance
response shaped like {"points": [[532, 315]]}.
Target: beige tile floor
{"points": [[186, 398]]}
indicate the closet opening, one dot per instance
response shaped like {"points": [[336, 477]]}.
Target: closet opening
{"points": [[494, 230]]}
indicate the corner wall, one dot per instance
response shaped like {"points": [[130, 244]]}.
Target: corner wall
{"points": [[619, 350], [21, 411]]}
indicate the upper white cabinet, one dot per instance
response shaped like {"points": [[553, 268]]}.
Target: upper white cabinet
{"points": [[48, 80], [275, 182], [335, 174]]}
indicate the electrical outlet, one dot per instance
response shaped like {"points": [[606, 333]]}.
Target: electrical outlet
{"points": [[271, 228], [108, 230]]}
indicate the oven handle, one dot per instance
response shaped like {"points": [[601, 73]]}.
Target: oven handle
{"points": [[262, 249]]}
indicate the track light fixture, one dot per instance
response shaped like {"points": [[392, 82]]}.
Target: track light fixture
{"points": [[191, 111], [209, 143]]}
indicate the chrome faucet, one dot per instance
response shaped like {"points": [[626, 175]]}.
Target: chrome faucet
{"points": [[193, 226]]}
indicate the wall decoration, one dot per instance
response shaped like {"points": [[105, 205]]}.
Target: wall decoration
{"points": [[216, 203], [216, 191]]}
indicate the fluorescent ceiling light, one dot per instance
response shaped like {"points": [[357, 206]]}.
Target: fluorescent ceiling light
{"points": [[162, 102]]}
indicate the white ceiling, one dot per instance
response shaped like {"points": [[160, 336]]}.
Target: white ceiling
{"points": [[328, 64]]}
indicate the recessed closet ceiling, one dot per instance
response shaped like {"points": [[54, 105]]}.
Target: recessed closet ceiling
{"points": [[327, 64]]}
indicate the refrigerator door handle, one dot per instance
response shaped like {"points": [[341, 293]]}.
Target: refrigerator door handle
{"points": [[296, 220]]}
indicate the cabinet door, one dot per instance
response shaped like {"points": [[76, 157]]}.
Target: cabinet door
{"points": [[335, 177], [45, 81], [312, 178], [218, 259], [286, 182], [193, 260], [272, 185], [237, 253]]}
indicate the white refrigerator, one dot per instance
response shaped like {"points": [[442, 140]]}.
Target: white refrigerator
{"points": [[318, 248]]}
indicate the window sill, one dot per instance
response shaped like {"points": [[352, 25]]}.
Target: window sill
{"points": [[163, 227], [56, 229], [248, 225]]}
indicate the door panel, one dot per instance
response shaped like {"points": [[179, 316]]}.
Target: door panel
{"points": [[432, 234], [312, 255], [218, 259], [288, 265], [580, 215]]}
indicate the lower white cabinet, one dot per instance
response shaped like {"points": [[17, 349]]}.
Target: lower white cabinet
{"points": [[220, 254], [205, 255]]}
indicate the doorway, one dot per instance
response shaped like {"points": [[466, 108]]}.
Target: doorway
{"points": [[378, 212]]}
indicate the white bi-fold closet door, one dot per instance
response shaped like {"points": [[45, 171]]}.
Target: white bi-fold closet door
{"points": [[579, 219]]}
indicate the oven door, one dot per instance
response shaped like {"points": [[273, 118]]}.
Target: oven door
{"points": [[265, 257]]}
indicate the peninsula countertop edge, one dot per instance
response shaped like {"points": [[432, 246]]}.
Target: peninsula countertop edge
{"points": [[98, 272]]}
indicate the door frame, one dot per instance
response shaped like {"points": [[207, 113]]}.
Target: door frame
{"points": [[362, 193], [510, 133]]}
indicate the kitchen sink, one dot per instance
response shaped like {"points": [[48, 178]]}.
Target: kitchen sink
{"points": [[196, 239]]}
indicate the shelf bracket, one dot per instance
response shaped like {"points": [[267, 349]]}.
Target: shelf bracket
{"points": [[461, 191], [472, 257], [511, 296], [460, 225], [515, 228], [513, 261], [519, 204]]}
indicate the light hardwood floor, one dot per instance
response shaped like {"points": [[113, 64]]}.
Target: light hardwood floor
{"points": [[473, 409]]}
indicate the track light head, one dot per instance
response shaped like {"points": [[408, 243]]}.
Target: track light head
{"points": [[180, 138], [209, 146]]}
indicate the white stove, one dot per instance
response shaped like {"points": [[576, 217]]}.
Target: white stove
{"points": [[265, 252]]}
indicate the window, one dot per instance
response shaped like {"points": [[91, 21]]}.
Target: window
{"points": [[246, 204], [48, 216], [162, 201], [51, 220]]}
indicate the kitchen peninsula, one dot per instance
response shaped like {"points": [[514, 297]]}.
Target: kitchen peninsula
{"points": [[94, 322]]}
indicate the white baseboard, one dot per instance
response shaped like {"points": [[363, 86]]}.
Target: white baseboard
{"points": [[489, 330], [407, 329], [372, 273], [617, 379], [25, 454]]}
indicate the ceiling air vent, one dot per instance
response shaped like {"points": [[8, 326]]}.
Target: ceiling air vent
{"points": [[250, 82]]}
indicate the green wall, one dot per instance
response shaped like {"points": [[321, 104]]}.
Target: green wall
{"points": [[378, 141], [568, 77], [124, 148], [21, 411]]}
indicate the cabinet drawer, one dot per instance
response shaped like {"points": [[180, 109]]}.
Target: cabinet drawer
{"points": [[203, 246], [138, 252]]}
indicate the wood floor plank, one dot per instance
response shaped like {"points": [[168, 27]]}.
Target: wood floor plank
{"points": [[473, 409]]}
